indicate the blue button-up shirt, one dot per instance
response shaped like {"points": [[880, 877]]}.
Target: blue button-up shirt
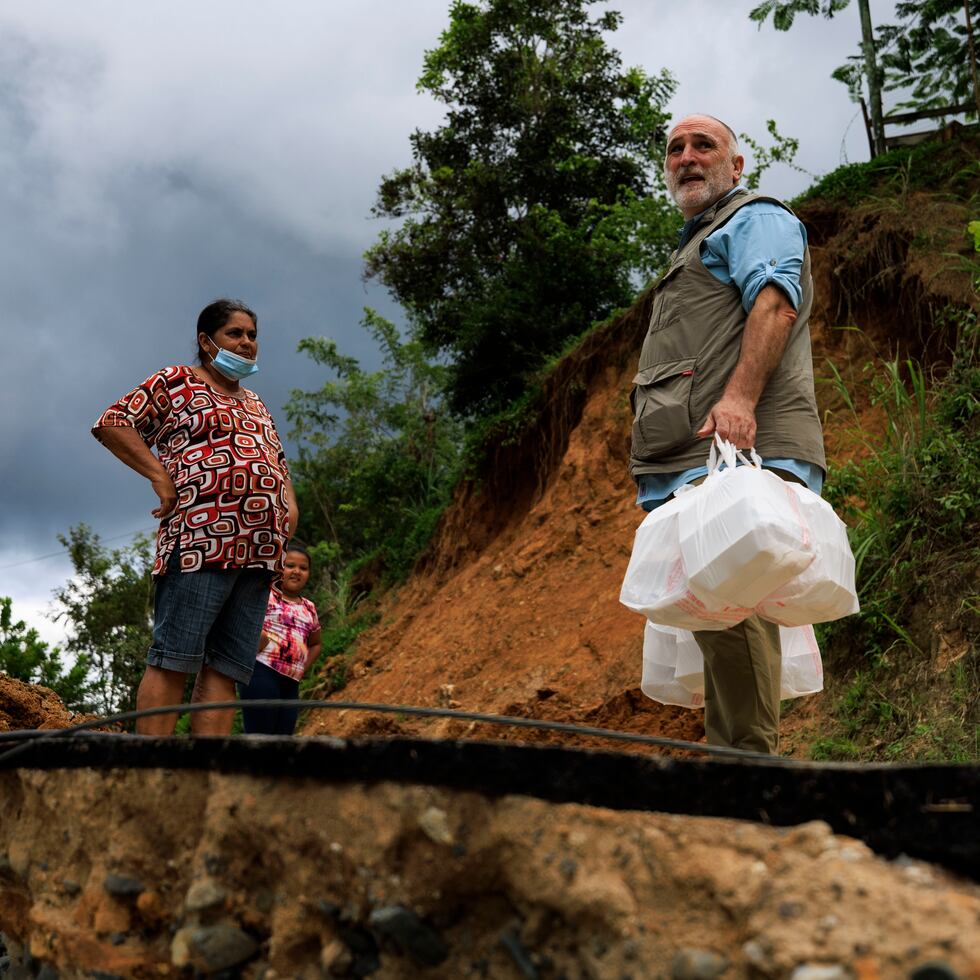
{"points": [[761, 244]]}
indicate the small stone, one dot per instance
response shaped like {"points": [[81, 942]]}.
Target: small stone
{"points": [[790, 910], [71, 887], [47, 973], [435, 825], [820, 971], [512, 943], [567, 868], [828, 922], [117, 938], [756, 953], [934, 970], [205, 893], [214, 864], [410, 934], [336, 958], [122, 886], [211, 948], [697, 964], [150, 907]]}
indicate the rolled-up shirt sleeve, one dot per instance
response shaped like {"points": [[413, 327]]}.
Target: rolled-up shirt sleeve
{"points": [[762, 245], [145, 409]]}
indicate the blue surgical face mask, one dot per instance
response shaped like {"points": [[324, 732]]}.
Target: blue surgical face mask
{"points": [[233, 366]]}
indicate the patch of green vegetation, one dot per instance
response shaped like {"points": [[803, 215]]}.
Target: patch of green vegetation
{"points": [[912, 503], [833, 749], [925, 166]]}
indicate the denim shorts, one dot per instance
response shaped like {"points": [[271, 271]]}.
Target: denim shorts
{"points": [[211, 617]]}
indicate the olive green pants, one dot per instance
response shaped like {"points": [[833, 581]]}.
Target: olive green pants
{"points": [[742, 673], [742, 668]]}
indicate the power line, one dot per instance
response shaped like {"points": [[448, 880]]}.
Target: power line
{"points": [[65, 551]]}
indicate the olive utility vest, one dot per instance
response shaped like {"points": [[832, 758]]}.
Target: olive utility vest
{"points": [[690, 351]]}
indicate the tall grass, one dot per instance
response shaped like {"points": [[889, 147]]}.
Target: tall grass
{"points": [[911, 498]]}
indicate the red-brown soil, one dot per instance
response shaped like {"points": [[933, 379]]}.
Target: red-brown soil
{"points": [[31, 706]]}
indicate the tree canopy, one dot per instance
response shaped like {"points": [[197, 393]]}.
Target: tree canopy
{"points": [[107, 607], [931, 55], [527, 215], [378, 454]]}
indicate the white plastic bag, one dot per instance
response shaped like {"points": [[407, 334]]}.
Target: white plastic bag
{"points": [[673, 666], [802, 668], [660, 680], [742, 534], [825, 590], [656, 584]]}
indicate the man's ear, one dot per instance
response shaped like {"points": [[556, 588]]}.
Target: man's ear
{"points": [[738, 165]]}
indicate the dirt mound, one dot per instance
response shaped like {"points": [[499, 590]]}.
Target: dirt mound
{"points": [[31, 706], [152, 873]]}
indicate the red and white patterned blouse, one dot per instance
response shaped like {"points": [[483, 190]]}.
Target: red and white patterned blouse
{"points": [[289, 624], [228, 466]]}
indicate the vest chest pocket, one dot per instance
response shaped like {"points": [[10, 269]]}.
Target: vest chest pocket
{"points": [[661, 408]]}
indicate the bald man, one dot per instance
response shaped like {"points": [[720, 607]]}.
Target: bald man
{"points": [[728, 351]]}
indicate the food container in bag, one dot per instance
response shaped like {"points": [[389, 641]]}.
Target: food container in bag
{"points": [[825, 590], [673, 666], [742, 537], [656, 583]]}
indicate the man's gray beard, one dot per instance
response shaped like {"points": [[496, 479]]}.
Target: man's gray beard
{"points": [[706, 193]]}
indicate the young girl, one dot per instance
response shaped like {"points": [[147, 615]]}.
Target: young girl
{"points": [[290, 642]]}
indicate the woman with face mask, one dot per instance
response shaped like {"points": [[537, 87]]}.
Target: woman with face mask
{"points": [[226, 510]]}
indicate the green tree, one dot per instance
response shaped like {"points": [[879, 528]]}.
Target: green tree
{"points": [[932, 54], [378, 457], [24, 656], [783, 13], [108, 608], [529, 214]]}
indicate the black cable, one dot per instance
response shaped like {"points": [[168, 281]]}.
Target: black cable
{"points": [[28, 736]]}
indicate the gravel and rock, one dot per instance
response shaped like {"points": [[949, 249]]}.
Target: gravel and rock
{"points": [[191, 873]]}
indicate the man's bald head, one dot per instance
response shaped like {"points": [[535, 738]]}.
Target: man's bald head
{"points": [[695, 117], [702, 163]]}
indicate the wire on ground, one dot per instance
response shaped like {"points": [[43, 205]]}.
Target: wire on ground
{"points": [[27, 737]]}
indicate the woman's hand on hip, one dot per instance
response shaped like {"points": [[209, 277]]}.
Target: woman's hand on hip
{"points": [[164, 488]]}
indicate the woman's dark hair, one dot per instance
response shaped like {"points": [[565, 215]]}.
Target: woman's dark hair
{"points": [[215, 315], [293, 546]]}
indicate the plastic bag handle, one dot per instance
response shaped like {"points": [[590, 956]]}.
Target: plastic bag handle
{"points": [[725, 453]]}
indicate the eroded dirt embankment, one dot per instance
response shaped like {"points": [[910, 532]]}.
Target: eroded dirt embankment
{"points": [[156, 873]]}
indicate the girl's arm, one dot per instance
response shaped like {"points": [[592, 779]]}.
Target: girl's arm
{"points": [[313, 645]]}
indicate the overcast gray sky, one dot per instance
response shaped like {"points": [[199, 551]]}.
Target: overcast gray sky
{"points": [[156, 155]]}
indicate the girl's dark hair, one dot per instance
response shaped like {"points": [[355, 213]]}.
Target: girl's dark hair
{"points": [[293, 546], [215, 315]]}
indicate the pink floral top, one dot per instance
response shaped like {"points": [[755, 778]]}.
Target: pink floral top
{"points": [[290, 625], [227, 464]]}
